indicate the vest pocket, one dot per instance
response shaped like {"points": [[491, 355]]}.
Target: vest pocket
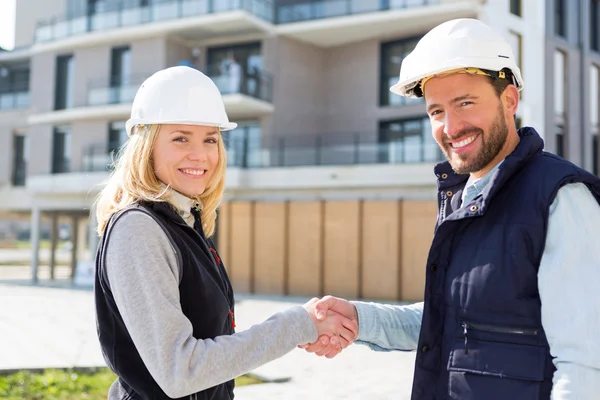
{"points": [[495, 371]]}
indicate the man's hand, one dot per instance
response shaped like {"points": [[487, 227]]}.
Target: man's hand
{"points": [[329, 345]]}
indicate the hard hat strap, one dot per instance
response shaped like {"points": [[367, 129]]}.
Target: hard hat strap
{"points": [[469, 70]]}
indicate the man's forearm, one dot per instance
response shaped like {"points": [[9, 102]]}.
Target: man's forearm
{"points": [[385, 327]]}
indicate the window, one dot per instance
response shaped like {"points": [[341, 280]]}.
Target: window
{"points": [[20, 152], [237, 69], [560, 100], [560, 141], [560, 18], [64, 82], [14, 87], [244, 146], [560, 78], [516, 43], [392, 54], [120, 75], [117, 136], [594, 114], [120, 66], [518, 122], [594, 22], [515, 7], [61, 150], [407, 141]]}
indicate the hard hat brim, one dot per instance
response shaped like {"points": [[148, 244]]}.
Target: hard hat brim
{"points": [[132, 122]]}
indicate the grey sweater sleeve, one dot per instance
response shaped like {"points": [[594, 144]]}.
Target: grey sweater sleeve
{"points": [[143, 276]]}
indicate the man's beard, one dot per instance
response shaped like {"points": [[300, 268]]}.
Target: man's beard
{"points": [[491, 145]]}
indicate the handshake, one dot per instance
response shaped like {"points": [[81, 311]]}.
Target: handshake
{"points": [[336, 321]]}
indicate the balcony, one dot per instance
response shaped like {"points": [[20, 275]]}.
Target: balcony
{"points": [[329, 23], [326, 161], [190, 19], [331, 149], [68, 178], [14, 100], [14, 87], [245, 96]]}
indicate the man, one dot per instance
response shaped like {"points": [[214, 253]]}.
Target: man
{"points": [[511, 309]]}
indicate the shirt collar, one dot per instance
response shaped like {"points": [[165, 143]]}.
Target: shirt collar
{"points": [[183, 204], [476, 186]]}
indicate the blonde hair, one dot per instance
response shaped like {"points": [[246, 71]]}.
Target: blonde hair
{"points": [[133, 180]]}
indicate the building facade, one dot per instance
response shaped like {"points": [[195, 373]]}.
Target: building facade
{"points": [[330, 186]]}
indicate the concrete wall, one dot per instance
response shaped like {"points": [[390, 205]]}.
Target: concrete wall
{"points": [[148, 56], [29, 12], [299, 86], [91, 64], [42, 80], [353, 249], [40, 150], [10, 121]]}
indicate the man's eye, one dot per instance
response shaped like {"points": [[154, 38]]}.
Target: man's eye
{"points": [[466, 103], [435, 112]]}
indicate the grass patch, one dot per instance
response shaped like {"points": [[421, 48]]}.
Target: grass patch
{"points": [[54, 384]]}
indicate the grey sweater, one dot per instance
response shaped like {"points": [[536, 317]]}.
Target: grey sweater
{"points": [[143, 276]]}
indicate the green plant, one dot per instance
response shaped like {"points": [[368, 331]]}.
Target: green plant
{"points": [[55, 384]]}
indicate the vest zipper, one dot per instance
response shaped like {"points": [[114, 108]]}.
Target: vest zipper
{"points": [[443, 206], [495, 329]]}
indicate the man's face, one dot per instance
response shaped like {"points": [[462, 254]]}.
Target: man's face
{"points": [[468, 120]]}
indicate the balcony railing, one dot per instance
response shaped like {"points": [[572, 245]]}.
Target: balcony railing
{"points": [[114, 90], [257, 84], [19, 174], [330, 149], [118, 15], [304, 10], [290, 151], [14, 100]]}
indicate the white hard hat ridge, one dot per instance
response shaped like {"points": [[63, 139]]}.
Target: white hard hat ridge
{"points": [[459, 43], [179, 95]]}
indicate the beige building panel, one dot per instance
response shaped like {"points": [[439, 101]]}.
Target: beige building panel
{"points": [[341, 248], [300, 64], [305, 244], [381, 250], [84, 135], [148, 56], [269, 250], [418, 223], [92, 64], [240, 264], [40, 150]]}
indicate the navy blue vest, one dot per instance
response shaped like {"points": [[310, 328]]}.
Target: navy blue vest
{"points": [[206, 298], [481, 334]]}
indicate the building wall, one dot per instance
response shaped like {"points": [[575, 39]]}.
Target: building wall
{"points": [[352, 79], [353, 249], [10, 121], [91, 65], [29, 12], [531, 27], [299, 86]]}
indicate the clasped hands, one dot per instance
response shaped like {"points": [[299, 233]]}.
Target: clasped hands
{"points": [[336, 321]]}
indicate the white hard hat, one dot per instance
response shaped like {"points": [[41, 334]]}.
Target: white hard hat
{"points": [[179, 95], [454, 45]]}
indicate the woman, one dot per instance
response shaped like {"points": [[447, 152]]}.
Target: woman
{"points": [[164, 303]]}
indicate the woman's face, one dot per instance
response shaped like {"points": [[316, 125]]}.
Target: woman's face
{"points": [[186, 156]]}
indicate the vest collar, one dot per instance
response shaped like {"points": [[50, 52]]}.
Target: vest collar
{"points": [[530, 144]]}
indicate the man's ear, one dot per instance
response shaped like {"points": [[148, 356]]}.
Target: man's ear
{"points": [[510, 99]]}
